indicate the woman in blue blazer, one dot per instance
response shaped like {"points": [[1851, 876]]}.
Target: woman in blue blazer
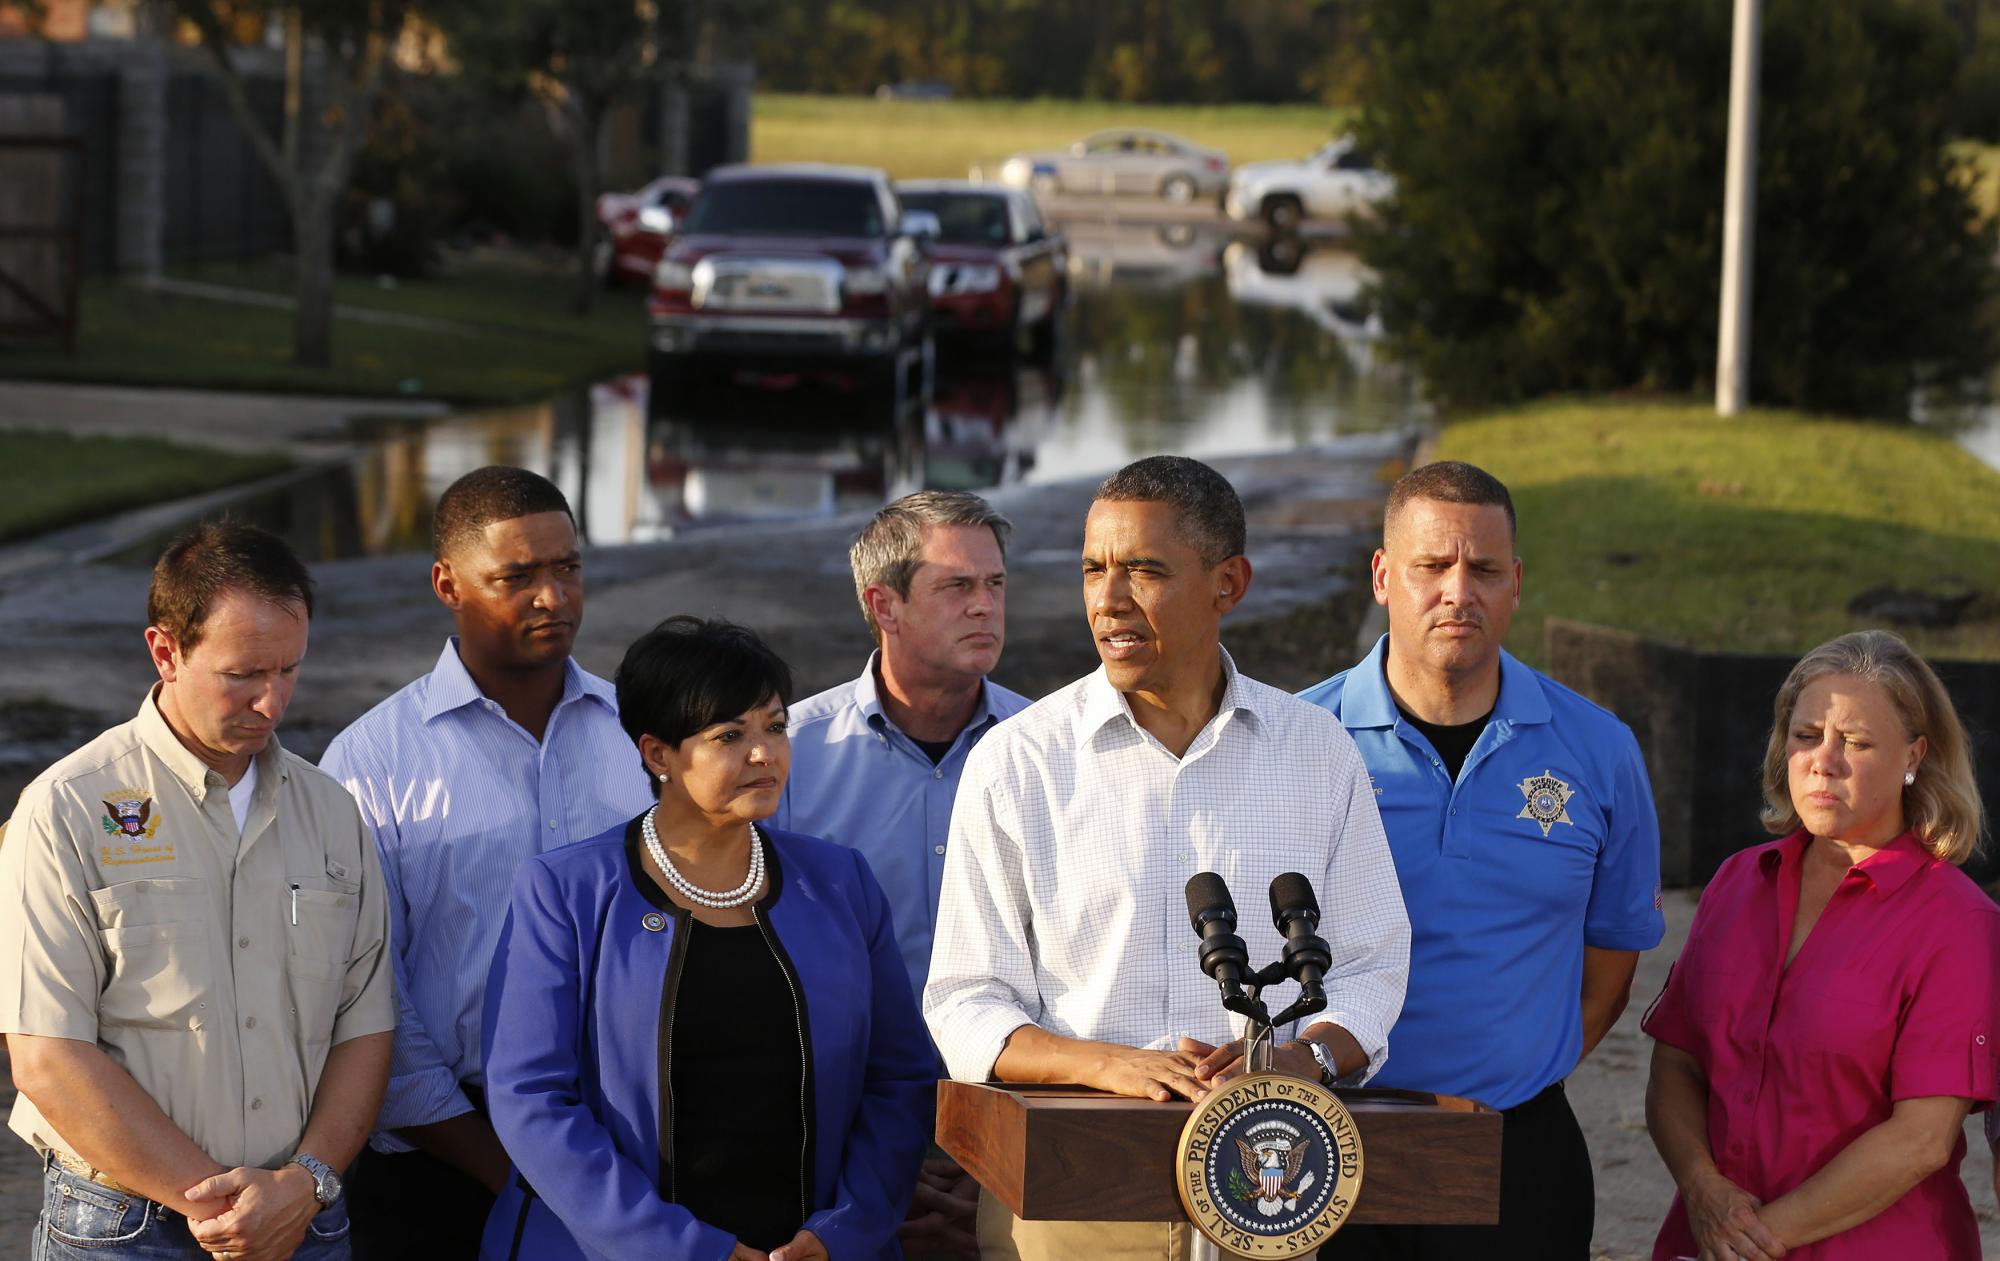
{"points": [[700, 1039]]}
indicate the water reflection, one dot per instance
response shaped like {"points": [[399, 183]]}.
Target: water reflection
{"points": [[1970, 418], [734, 452], [1329, 287], [1113, 252], [1176, 339]]}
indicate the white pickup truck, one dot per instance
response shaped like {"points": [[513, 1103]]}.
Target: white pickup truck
{"points": [[1333, 183]]}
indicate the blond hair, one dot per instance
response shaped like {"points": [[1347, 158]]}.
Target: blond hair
{"points": [[1942, 806]]}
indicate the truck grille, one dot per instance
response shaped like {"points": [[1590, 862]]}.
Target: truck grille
{"points": [[725, 282]]}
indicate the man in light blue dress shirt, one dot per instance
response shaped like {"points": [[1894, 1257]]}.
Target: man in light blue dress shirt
{"points": [[876, 761], [505, 749]]}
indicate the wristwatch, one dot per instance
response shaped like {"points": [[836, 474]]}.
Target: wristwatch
{"points": [[326, 1183], [1328, 1074]]}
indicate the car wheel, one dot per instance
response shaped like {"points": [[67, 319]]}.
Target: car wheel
{"points": [[1281, 256], [1043, 335], [886, 380], [671, 379], [1283, 212], [1178, 189]]}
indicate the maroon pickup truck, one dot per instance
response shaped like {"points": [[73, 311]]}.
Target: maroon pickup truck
{"points": [[997, 272], [795, 268]]}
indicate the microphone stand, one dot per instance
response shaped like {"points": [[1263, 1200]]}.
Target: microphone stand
{"points": [[1259, 1043]]}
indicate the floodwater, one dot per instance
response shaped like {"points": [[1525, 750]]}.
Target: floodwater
{"points": [[1178, 338]]}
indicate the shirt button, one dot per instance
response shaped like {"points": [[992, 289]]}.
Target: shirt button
{"points": [[256, 1105], [939, 849], [243, 943], [1981, 1039], [250, 1022], [552, 822], [938, 773], [1749, 1096]]}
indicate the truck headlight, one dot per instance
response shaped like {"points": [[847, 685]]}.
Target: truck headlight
{"points": [[964, 278]]}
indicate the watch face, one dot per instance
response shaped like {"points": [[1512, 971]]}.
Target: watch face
{"points": [[329, 1187]]}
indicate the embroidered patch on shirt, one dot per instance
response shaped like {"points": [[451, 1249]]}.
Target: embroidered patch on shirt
{"points": [[128, 812], [131, 855], [1548, 801]]}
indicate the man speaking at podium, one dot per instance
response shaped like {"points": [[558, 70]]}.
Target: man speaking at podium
{"points": [[1063, 951]]}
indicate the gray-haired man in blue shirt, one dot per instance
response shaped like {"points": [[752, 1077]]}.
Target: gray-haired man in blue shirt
{"points": [[876, 761]]}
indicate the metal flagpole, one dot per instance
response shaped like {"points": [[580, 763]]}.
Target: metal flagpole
{"points": [[1739, 211]]}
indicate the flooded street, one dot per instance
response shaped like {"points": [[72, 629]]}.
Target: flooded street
{"points": [[1177, 338]]}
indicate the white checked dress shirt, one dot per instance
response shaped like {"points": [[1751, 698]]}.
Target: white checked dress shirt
{"points": [[1072, 840]]}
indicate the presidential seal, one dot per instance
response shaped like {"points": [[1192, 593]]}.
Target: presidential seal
{"points": [[1548, 801], [1269, 1166]]}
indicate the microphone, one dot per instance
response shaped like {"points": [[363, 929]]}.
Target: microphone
{"points": [[1295, 911], [1213, 913]]}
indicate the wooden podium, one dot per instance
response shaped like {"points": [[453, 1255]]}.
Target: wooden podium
{"points": [[1064, 1153]]}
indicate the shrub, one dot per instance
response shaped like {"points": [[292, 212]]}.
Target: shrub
{"points": [[1558, 220]]}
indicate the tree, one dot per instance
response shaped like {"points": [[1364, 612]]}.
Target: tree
{"points": [[347, 42], [1557, 222], [582, 57]]}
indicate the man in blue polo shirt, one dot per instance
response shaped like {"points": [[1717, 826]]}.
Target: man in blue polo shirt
{"points": [[876, 761], [1527, 846]]}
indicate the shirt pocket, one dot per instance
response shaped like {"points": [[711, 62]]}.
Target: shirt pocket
{"points": [[154, 936], [320, 931], [131, 903]]}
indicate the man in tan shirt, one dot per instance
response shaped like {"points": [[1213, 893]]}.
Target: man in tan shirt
{"points": [[196, 990]]}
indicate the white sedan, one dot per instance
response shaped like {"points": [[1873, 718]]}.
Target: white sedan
{"points": [[1123, 161], [1337, 181]]}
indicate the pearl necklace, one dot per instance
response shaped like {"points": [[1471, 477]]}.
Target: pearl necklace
{"points": [[741, 894]]}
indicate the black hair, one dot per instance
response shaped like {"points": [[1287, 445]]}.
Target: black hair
{"points": [[689, 672], [1450, 482], [497, 492], [1207, 513]]}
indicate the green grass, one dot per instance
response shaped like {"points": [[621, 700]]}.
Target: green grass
{"points": [[1748, 534], [946, 138], [521, 342], [53, 480]]}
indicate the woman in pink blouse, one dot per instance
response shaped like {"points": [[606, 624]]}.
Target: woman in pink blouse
{"points": [[1830, 1023]]}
